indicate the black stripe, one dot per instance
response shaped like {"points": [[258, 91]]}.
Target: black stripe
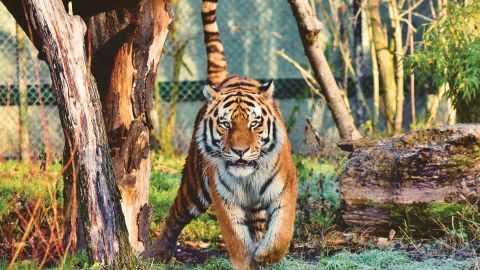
{"points": [[214, 48], [264, 112], [215, 113], [243, 222], [226, 105], [269, 122], [227, 80], [250, 104], [283, 189], [211, 33], [269, 181], [209, 19], [229, 189], [258, 208], [239, 88], [208, 13], [274, 137], [186, 213], [207, 147], [212, 38], [210, 125], [206, 194], [214, 64], [212, 71], [273, 212], [231, 95], [193, 195], [258, 220], [239, 84]]}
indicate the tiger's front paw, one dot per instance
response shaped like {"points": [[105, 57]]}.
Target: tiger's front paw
{"points": [[260, 256], [265, 255]]}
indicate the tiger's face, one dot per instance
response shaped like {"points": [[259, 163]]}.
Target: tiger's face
{"points": [[239, 131]]}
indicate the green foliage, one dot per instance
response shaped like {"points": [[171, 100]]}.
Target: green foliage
{"points": [[163, 189], [318, 193], [450, 55], [458, 221]]}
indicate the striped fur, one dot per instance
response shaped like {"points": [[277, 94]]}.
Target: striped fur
{"points": [[216, 62], [240, 162]]}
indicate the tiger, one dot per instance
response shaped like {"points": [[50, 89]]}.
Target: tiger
{"points": [[239, 160]]}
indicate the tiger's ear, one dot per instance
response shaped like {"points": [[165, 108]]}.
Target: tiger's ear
{"points": [[266, 89], [210, 92]]}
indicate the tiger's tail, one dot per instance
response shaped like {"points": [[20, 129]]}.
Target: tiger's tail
{"points": [[217, 64]]}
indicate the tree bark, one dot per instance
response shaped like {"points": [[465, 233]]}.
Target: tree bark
{"points": [[399, 55], [127, 39], [385, 62], [358, 59], [309, 28], [61, 41], [375, 73], [434, 165]]}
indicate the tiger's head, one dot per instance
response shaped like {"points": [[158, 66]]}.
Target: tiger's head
{"points": [[240, 129]]}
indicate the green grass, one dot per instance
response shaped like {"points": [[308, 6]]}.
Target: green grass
{"points": [[20, 180], [318, 195], [345, 260]]}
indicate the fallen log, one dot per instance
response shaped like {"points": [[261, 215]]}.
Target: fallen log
{"points": [[439, 164]]}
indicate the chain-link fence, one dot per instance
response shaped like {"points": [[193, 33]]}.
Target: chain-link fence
{"points": [[253, 32], [24, 83]]}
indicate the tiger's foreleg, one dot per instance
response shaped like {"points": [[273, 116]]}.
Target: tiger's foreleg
{"points": [[235, 232], [280, 225], [189, 203]]}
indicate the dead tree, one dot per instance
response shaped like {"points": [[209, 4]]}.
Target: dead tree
{"points": [[60, 39], [309, 28], [434, 165], [127, 39]]}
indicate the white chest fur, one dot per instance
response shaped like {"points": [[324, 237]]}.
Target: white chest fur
{"points": [[256, 190]]}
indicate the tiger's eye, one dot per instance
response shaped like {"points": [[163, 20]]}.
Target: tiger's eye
{"points": [[253, 124], [225, 124]]}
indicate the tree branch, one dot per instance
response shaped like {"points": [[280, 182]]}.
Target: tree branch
{"points": [[309, 28]]}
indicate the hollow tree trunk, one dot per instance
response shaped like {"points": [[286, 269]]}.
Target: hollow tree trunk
{"points": [[126, 44], [309, 28], [434, 165], [61, 42]]}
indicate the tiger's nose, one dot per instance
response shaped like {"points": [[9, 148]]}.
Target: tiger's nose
{"points": [[240, 151]]}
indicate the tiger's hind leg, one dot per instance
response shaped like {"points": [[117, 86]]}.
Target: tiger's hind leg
{"points": [[191, 201]]}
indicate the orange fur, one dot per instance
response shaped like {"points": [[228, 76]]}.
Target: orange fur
{"points": [[240, 161]]}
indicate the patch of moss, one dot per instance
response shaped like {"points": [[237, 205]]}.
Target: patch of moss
{"points": [[432, 218]]}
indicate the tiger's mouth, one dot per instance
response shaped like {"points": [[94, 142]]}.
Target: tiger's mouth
{"points": [[241, 163]]}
